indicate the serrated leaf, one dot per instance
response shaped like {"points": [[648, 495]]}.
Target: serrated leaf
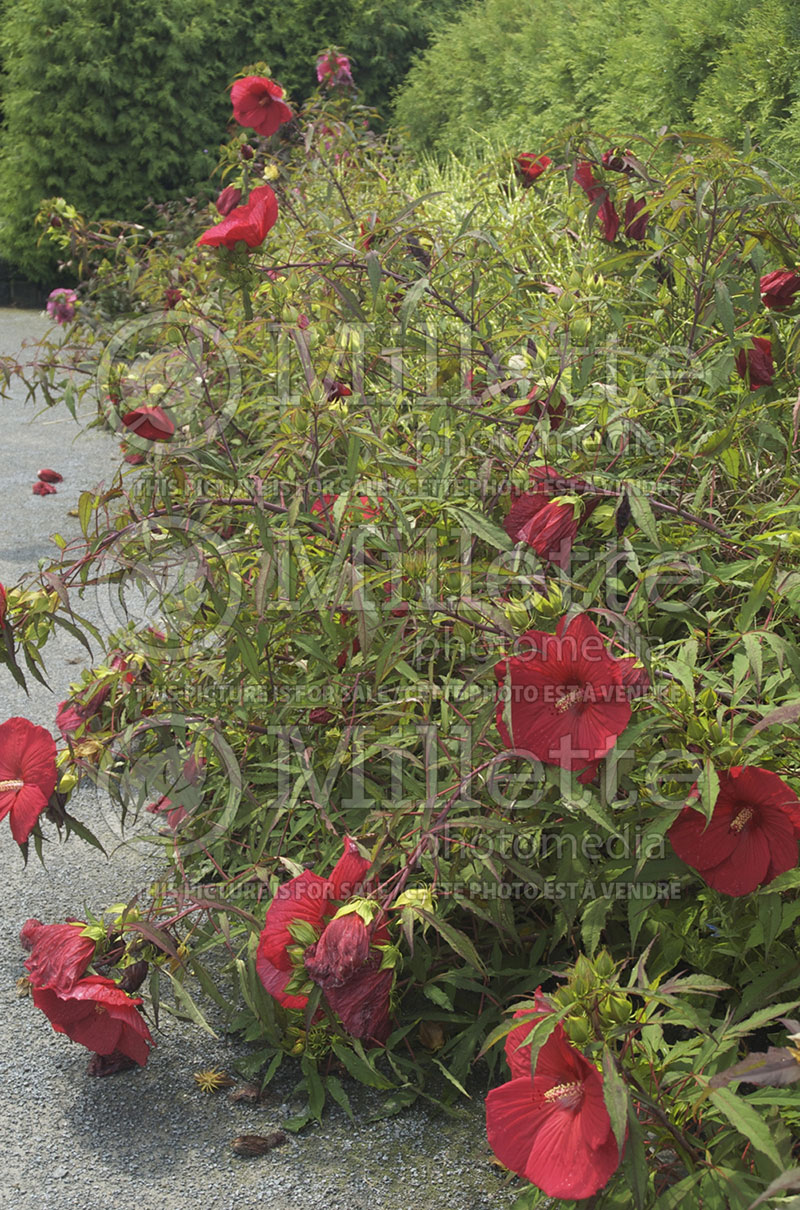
{"points": [[615, 1095], [642, 513], [748, 1121]]}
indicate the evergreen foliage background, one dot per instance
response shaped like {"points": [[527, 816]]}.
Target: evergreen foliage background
{"points": [[518, 71], [111, 103]]}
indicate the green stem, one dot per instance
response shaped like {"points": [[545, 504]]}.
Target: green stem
{"points": [[248, 306]]}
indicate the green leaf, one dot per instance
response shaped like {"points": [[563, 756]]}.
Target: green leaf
{"points": [[708, 785], [454, 938], [374, 273], [334, 1087], [725, 309], [615, 1095], [642, 513], [356, 1063], [748, 1121]]}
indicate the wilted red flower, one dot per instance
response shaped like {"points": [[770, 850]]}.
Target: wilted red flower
{"points": [[529, 166], [615, 160], [59, 955], [311, 899], [538, 519], [544, 404], [43, 489], [228, 199], [345, 964], [69, 718], [28, 774], [48, 476], [320, 715], [333, 69], [99, 1015], [60, 305], [553, 1129], [249, 223], [149, 422], [778, 289], [258, 103], [184, 793], [172, 296], [635, 221], [334, 389], [596, 192], [756, 363], [567, 698], [344, 655], [751, 837], [361, 509]]}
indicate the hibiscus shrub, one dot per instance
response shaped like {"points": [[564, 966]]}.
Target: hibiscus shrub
{"points": [[450, 588]]}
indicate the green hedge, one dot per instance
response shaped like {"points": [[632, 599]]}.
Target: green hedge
{"points": [[109, 104], [520, 71]]}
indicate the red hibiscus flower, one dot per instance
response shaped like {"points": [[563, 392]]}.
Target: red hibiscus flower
{"points": [[228, 199], [150, 423], [778, 289], [568, 702], [598, 193], [756, 363], [548, 525], [553, 1129], [751, 837], [28, 774], [43, 489], [249, 223], [635, 221], [529, 166], [99, 1015], [258, 103], [59, 955], [48, 476], [340, 964]]}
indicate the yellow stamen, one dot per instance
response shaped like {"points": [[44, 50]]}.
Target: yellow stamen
{"points": [[571, 698], [11, 785], [566, 1095], [741, 819]]}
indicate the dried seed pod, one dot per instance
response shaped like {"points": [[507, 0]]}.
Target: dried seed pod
{"points": [[258, 1144]]}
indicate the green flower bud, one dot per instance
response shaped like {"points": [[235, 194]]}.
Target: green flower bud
{"points": [[578, 1030]]}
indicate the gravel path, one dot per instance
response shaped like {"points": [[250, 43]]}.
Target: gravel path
{"points": [[148, 1138]]}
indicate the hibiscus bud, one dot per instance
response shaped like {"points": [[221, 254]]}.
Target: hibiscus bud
{"points": [[246, 151], [342, 949], [228, 199], [616, 1008], [133, 976], [48, 476], [604, 965], [578, 1030]]}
